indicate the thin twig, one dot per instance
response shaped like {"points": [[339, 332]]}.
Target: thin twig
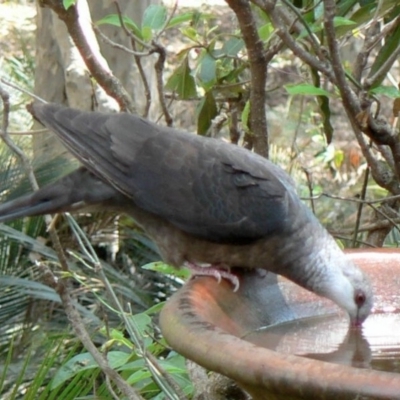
{"points": [[119, 46], [350, 100], [10, 143], [22, 90], [360, 206], [159, 68], [134, 39], [282, 31], [310, 188], [352, 199], [28, 133], [128, 32]]}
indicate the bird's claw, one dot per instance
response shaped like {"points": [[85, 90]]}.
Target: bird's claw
{"points": [[217, 271]]}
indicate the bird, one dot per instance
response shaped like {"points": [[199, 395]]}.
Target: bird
{"points": [[205, 203]]}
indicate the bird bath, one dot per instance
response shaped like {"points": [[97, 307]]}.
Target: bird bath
{"points": [[229, 333]]}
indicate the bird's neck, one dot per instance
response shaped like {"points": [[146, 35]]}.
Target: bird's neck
{"points": [[311, 257]]}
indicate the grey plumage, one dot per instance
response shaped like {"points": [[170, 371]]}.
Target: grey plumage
{"points": [[201, 200]]}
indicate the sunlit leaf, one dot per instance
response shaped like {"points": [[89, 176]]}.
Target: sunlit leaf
{"points": [[305, 90], [68, 3], [167, 269], [190, 33], [180, 19], [265, 31]]}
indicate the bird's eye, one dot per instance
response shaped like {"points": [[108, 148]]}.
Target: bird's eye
{"points": [[359, 298]]}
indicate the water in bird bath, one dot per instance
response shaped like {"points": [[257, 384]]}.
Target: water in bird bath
{"points": [[327, 338]]}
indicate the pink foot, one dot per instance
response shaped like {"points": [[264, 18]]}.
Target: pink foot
{"points": [[217, 271]]}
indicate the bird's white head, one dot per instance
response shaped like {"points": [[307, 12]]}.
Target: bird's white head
{"points": [[352, 291]]}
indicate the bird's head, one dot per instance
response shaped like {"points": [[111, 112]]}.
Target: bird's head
{"points": [[352, 292]]}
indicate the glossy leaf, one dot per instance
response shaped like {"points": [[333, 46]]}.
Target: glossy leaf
{"points": [[232, 46], [207, 69], [154, 17]]}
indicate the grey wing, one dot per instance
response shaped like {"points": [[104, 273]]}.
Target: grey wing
{"points": [[205, 187]]}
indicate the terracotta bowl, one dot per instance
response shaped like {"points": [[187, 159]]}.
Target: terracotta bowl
{"points": [[207, 322]]}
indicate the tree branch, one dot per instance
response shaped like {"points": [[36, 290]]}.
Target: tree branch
{"points": [[95, 63], [258, 70]]}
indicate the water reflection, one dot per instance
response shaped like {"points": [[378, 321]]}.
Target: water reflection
{"points": [[328, 338]]}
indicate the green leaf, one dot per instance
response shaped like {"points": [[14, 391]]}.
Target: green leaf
{"points": [[389, 91], [147, 33], [68, 3], [265, 31], [338, 158], [345, 6], [190, 33], [116, 336], [140, 376], [182, 81], [154, 17], [113, 19], [167, 269], [180, 19], [391, 44], [232, 46], [85, 361], [159, 306], [306, 90], [142, 324], [340, 21], [323, 102], [313, 27], [245, 116], [207, 70], [206, 111]]}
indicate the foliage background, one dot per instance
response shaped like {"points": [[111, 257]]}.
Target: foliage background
{"points": [[41, 357]]}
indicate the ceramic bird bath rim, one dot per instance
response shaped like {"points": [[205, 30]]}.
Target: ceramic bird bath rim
{"points": [[206, 322]]}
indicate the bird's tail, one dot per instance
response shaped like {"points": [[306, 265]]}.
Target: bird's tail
{"points": [[76, 190]]}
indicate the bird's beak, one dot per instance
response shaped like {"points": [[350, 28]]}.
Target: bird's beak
{"points": [[356, 323]]}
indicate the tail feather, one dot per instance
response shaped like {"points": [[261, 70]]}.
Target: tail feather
{"points": [[76, 190]]}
